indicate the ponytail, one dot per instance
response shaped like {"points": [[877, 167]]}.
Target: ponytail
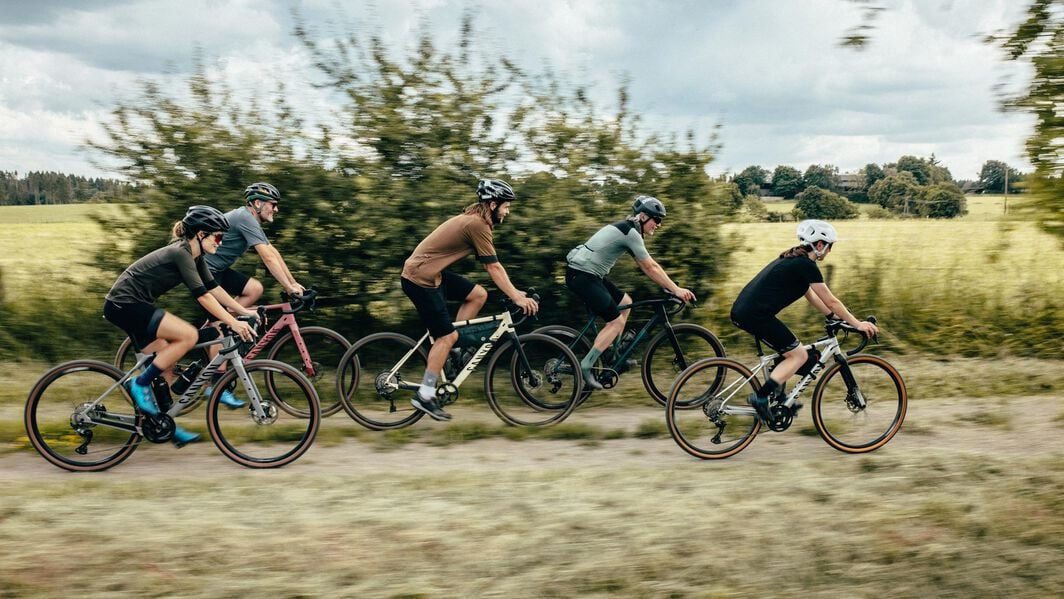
{"points": [[481, 209], [798, 251], [179, 232]]}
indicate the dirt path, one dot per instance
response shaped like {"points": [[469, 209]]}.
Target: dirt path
{"points": [[1001, 426]]}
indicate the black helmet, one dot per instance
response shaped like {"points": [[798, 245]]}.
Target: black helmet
{"points": [[204, 218], [495, 190], [262, 191], [648, 205]]}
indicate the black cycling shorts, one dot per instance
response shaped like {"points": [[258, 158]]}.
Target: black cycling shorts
{"points": [[139, 320], [431, 302], [768, 329], [233, 281], [600, 295]]}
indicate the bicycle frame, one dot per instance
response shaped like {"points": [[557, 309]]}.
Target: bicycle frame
{"points": [[660, 316], [287, 320]]}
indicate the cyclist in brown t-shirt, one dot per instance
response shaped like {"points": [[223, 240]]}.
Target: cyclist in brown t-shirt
{"points": [[429, 285]]}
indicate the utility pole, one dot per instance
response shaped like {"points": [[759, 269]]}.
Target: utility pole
{"points": [[1006, 189]]}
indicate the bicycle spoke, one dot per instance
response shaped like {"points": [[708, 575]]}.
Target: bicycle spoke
{"points": [[703, 411], [839, 415]]}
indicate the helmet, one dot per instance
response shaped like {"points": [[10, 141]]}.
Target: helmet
{"points": [[812, 231], [495, 190], [648, 205], [204, 218], [262, 191]]}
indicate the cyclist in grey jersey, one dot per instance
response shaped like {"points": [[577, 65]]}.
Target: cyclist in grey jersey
{"points": [[590, 262], [129, 304]]}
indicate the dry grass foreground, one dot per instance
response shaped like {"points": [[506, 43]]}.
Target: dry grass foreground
{"points": [[959, 504]]}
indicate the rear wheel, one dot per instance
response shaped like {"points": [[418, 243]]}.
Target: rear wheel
{"points": [[324, 348], [663, 360], [579, 344], [859, 405], [68, 427], [534, 382], [375, 389], [262, 434], [706, 412]]}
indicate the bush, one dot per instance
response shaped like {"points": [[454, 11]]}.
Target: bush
{"points": [[943, 200], [815, 202]]}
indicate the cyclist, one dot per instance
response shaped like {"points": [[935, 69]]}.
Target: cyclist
{"points": [[790, 276], [429, 285], [588, 264], [130, 304]]}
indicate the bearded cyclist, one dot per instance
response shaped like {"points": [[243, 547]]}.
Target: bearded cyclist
{"points": [[429, 285], [590, 262], [790, 276], [130, 304]]}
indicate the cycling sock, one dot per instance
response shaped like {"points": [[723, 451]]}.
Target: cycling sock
{"points": [[427, 390], [150, 374], [589, 359], [769, 389]]}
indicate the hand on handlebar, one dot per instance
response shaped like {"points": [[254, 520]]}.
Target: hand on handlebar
{"points": [[244, 330], [528, 305], [295, 289], [686, 295], [867, 328]]}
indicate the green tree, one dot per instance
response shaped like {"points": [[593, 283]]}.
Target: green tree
{"points": [[815, 202], [822, 176], [919, 168], [942, 200], [896, 193], [751, 179], [786, 181], [872, 173], [992, 177]]}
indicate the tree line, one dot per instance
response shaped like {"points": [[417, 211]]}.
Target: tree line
{"points": [[56, 188]]}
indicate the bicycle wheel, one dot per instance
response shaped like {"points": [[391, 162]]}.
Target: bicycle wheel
{"points": [[379, 394], [574, 341], [126, 358], [324, 349], [271, 437], [64, 427], [534, 382], [662, 361], [706, 412], [837, 414]]}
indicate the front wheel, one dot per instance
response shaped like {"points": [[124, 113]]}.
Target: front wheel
{"points": [[668, 355], [69, 424], [376, 384], [859, 404], [706, 412], [318, 360], [533, 382], [262, 434]]}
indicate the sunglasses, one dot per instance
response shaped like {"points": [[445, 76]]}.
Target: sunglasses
{"points": [[656, 219], [217, 237]]}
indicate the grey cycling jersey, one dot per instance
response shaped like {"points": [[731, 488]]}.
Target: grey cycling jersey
{"points": [[598, 254], [244, 231], [160, 271]]}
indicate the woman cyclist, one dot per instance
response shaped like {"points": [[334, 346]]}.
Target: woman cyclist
{"points": [[790, 276], [130, 304]]}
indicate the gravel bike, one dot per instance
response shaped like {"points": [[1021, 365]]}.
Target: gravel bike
{"points": [[315, 351], [858, 405], [530, 380], [669, 352], [80, 417]]}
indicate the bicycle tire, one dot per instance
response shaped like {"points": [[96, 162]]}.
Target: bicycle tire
{"points": [[325, 347], [661, 363], [579, 344], [371, 358], [50, 409], [518, 395], [695, 415], [860, 430], [276, 440]]}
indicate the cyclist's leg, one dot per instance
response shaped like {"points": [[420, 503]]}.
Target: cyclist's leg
{"points": [[602, 298], [246, 291], [780, 338], [472, 296], [431, 305]]}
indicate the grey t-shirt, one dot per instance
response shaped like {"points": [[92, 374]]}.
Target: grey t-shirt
{"points": [[160, 271], [244, 231], [598, 254]]}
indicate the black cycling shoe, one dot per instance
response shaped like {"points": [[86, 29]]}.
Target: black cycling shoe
{"points": [[430, 407], [760, 405]]}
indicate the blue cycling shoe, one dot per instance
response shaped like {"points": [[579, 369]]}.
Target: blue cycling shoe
{"points": [[182, 437], [760, 405], [228, 399], [142, 396]]}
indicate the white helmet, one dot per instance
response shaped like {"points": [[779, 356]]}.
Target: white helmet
{"points": [[812, 230]]}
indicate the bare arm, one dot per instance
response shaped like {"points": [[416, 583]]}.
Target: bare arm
{"points": [[227, 301], [215, 309], [652, 269], [824, 300], [502, 281], [278, 268]]}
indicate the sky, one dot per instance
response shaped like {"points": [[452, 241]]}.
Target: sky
{"points": [[767, 77]]}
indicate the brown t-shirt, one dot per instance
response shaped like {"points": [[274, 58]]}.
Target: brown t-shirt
{"points": [[450, 242]]}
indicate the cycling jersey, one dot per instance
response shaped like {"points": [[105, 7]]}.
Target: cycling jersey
{"points": [[160, 271], [777, 286], [453, 240], [599, 254], [244, 231]]}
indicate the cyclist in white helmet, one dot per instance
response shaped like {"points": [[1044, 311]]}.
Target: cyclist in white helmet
{"points": [[790, 276]]}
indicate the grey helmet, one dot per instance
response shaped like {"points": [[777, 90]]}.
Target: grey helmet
{"points": [[204, 218], [495, 190], [261, 191], [648, 205]]}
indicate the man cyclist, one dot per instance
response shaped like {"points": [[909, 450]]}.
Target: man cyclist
{"points": [[130, 304], [790, 276], [590, 262], [429, 285]]}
